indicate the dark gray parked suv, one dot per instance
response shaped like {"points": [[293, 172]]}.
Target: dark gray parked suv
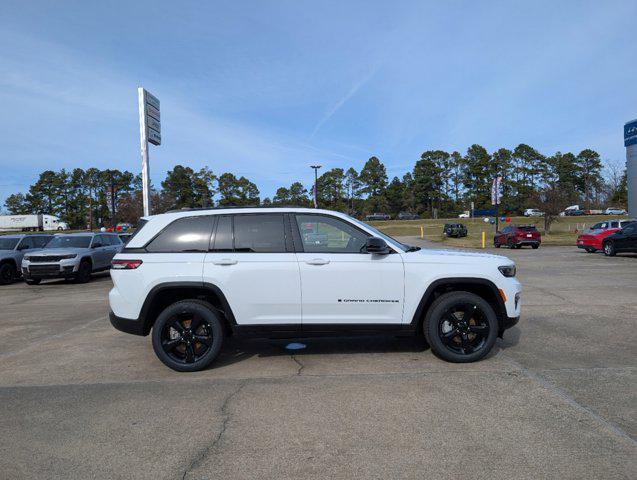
{"points": [[12, 249], [74, 256]]}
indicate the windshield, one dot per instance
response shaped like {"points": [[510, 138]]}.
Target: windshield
{"points": [[8, 243], [69, 241], [382, 235]]}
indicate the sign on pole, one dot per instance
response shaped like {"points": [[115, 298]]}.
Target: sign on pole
{"points": [[150, 131], [630, 142]]}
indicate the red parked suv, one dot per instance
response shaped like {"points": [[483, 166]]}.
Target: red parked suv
{"points": [[515, 236]]}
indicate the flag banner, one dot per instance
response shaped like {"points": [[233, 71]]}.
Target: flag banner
{"points": [[496, 193]]}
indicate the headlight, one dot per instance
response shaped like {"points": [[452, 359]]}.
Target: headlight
{"points": [[27, 258], [66, 257], [507, 270]]}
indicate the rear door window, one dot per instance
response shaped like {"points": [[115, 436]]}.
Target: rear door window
{"points": [[184, 235], [259, 233]]}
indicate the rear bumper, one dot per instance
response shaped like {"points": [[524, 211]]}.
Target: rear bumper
{"points": [[127, 325]]}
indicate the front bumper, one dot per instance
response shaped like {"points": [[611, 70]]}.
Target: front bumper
{"points": [[63, 269], [127, 325]]}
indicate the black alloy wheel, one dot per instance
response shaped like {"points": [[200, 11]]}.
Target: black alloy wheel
{"points": [[187, 335], [461, 327], [7, 273]]}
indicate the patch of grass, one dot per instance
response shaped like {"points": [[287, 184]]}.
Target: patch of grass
{"points": [[564, 230]]}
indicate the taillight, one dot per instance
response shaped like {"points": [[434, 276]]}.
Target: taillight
{"points": [[125, 264]]}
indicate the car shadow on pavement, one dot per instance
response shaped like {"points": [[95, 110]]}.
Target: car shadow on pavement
{"points": [[239, 349], [236, 350]]}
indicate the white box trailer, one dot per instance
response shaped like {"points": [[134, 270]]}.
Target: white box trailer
{"points": [[31, 223]]}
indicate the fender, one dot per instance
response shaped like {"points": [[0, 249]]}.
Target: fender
{"points": [[145, 319], [428, 296]]}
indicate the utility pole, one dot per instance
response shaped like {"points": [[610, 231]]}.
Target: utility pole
{"points": [[316, 168]]}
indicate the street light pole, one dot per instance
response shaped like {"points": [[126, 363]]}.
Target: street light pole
{"points": [[316, 168]]}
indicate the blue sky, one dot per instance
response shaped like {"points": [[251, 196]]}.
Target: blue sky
{"points": [[264, 89]]}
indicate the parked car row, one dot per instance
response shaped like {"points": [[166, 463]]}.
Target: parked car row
{"points": [[612, 236], [36, 257]]}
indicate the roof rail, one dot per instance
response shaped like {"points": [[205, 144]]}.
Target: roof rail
{"points": [[230, 207]]}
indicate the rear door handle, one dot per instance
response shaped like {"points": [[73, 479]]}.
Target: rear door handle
{"points": [[317, 261], [225, 261]]}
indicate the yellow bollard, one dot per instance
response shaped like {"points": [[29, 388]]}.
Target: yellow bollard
{"points": [[484, 239], [422, 232]]}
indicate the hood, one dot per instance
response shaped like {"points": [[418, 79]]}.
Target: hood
{"points": [[55, 251], [456, 256]]}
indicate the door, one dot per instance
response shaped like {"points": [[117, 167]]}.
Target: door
{"points": [[627, 240], [112, 248], [252, 261], [340, 283], [97, 252]]}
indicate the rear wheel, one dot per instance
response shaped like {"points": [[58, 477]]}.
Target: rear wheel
{"points": [[535, 246], [460, 327], [187, 335], [609, 249], [7, 273]]}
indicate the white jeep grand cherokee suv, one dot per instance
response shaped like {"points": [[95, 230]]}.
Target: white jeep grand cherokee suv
{"points": [[195, 277]]}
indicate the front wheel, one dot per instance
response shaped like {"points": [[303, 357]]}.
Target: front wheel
{"points": [[609, 249], [84, 272], [187, 335], [496, 244], [460, 327]]}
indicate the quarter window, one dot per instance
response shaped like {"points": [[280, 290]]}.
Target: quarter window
{"points": [[187, 234], [259, 233], [323, 234]]}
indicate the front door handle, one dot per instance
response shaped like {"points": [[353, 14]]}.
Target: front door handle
{"points": [[225, 261], [317, 261]]}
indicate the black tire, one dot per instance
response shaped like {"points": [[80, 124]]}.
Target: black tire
{"points": [[174, 341], [454, 339], [7, 273], [609, 249], [33, 281], [84, 272], [510, 244], [496, 244], [535, 247]]}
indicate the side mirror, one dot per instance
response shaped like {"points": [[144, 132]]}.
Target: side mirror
{"points": [[377, 246]]}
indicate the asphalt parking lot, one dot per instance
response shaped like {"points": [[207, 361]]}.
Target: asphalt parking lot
{"points": [[556, 399]]}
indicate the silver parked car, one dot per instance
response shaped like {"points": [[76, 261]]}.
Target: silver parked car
{"points": [[73, 256], [13, 248]]}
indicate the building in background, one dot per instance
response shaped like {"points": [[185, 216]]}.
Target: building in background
{"points": [[630, 142]]}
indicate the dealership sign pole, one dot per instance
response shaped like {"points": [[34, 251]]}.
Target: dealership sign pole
{"points": [[630, 142], [149, 132]]}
